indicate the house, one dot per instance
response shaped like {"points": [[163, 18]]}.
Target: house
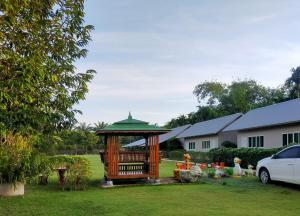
{"points": [[272, 126], [207, 135], [162, 138]]}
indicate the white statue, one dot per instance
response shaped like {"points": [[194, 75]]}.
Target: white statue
{"points": [[195, 170], [219, 172], [250, 170], [237, 171]]}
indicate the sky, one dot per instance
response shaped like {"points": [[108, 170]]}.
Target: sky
{"points": [[150, 54]]}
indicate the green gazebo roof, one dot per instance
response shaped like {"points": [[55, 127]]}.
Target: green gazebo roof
{"points": [[132, 126]]}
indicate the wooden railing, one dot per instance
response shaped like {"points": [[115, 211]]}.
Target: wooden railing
{"points": [[130, 163], [126, 157], [131, 156], [137, 168]]}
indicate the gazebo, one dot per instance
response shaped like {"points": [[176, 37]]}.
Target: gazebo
{"points": [[121, 164]]}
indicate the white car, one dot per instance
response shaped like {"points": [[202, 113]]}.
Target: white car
{"points": [[282, 166]]}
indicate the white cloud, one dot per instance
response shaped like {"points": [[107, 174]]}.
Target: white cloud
{"points": [[149, 61]]}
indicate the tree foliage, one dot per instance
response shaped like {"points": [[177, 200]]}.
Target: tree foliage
{"points": [[77, 140], [293, 83], [238, 96], [217, 99], [39, 42]]}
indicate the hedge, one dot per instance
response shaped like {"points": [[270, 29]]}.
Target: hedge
{"points": [[77, 170], [198, 157], [226, 155], [247, 155]]}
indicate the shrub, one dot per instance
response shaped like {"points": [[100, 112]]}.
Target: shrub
{"points": [[228, 144], [247, 155], [15, 157], [228, 171], [197, 157], [200, 157], [171, 145], [211, 172], [77, 171], [40, 167], [176, 155]]}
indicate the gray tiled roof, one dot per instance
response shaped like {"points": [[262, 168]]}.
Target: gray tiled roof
{"points": [[162, 138], [209, 127], [276, 114]]}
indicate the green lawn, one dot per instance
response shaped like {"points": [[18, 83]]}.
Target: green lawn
{"points": [[211, 197]]}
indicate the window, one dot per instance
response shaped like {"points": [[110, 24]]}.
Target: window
{"points": [[284, 140], [256, 141], [290, 153], [290, 138], [206, 144], [192, 145], [296, 137]]}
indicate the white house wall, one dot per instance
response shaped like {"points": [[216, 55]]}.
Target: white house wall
{"points": [[272, 136], [227, 136], [198, 143]]}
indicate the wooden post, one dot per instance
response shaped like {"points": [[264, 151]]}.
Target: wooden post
{"points": [[113, 156], [154, 156], [146, 155]]}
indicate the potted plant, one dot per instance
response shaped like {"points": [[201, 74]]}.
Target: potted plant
{"points": [[15, 156]]}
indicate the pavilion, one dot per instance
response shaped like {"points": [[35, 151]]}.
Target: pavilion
{"points": [[119, 164]]}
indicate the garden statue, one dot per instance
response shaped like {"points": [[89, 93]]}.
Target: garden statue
{"points": [[187, 159], [237, 171], [195, 170], [186, 172], [250, 170], [219, 172]]}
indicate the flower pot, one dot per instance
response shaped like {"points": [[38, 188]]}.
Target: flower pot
{"points": [[12, 189]]}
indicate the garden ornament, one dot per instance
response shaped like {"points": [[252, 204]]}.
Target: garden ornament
{"points": [[219, 172], [237, 171], [187, 159], [195, 170], [250, 170]]}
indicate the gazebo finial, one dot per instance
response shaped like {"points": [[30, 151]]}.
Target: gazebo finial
{"points": [[129, 116]]}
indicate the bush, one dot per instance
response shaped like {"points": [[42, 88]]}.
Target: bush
{"points": [[228, 144], [200, 157], [40, 167], [15, 157], [176, 155], [211, 172], [171, 145], [197, 157], [77, 171], [228, 171], [247, 155]]}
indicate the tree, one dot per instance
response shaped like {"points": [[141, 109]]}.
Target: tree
{"points": [[209, 91], [218, 99], [84, 127], [239, 96], [99, 125], [39, 42], [293, 83], [176, 122]]}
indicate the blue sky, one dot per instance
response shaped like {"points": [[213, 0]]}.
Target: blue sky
{"points": [[149, 55]]}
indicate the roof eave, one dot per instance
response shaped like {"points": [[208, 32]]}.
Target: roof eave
{"points": [[130, 132], [264, 126], [195, 136]]}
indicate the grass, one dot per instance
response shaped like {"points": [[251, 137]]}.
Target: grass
{"points": [[244, 196]]}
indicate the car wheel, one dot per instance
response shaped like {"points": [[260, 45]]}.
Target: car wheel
{"points": [[264, 176]]}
